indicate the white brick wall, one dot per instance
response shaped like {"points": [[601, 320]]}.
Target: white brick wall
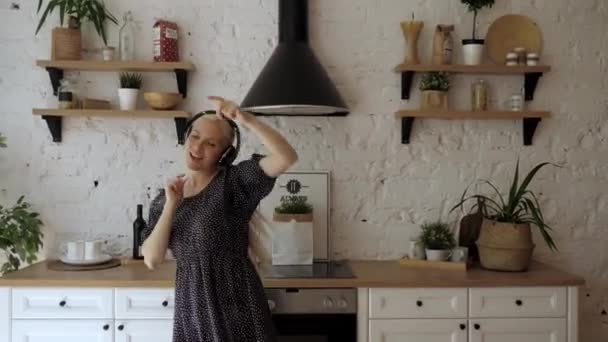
{"points": [[382, 190]]}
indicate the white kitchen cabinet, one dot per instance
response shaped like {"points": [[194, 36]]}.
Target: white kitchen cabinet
{"points": [[144, 330], [145, 303], [418, 303], [5, 314], [62, 303], [518, 330], [418, 330], [62, 330]]}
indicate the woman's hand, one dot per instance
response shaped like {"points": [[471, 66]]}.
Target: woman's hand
{"points": [[227, 109], [174, 191]]}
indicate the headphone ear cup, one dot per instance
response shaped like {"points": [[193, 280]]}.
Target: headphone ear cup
{"points": [[228, 157]]}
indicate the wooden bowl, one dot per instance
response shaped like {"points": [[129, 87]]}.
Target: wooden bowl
{"points": [[162, 101]]}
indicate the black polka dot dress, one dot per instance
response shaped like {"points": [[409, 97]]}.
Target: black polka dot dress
{"points": [[219, 296]]}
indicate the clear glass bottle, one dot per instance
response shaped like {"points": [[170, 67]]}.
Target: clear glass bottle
{"points": [[479, 95], [126, 43]]}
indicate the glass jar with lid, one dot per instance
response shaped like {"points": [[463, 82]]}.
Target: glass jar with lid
{"points": [[67, 95]]}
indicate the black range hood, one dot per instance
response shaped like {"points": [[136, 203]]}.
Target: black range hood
{"points": [[293, 82]]}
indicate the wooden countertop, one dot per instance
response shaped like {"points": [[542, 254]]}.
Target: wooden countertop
{"points": [[368, 274]]}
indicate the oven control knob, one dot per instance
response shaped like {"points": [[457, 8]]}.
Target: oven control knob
{"points": [[342, 303], [271, 304], [328, 303]]}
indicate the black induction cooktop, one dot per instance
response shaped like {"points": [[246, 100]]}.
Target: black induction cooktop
{"points": [[319, 269]]}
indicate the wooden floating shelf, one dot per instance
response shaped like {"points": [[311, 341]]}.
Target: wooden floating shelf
{"points": [[53, 118], [530, 119], [56, 69], [531, 74], [474, 69], [86, 65], [458, 114]]}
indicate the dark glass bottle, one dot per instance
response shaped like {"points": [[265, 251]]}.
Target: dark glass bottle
{"points": [[138, 227]]}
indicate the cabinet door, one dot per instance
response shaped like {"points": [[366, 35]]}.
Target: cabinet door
{"points": [[144, 330], [63, 331], [520, 330], [418, 330]]}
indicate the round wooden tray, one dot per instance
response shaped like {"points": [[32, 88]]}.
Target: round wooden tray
{"points": [[511, 31], [57, 265]]}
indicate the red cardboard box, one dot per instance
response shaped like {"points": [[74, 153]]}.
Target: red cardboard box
{"points": [[165, 41]]}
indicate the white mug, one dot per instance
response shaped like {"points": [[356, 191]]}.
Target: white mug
{"points": [[460, 254], [515, 103], [75, 250], [416, 251], [92, 249]]}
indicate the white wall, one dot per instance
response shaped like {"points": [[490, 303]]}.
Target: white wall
{"points": [[383, 190]]}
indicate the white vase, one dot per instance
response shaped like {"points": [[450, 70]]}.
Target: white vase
{"points": [[437, 254], [127, 98], [472, 51]]}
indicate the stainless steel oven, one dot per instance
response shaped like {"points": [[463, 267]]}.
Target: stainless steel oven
{"points": [[314, 315]]}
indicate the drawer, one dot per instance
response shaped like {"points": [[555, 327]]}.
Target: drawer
{"points": [[418, 303], [62, 303], [145, 303], [518, 302]]}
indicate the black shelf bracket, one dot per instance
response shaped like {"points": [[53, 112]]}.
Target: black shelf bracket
{"points": [[180, 128], [181, 75], [56, 76], [529, 129], [530, 83], [406, 84], [54, 123], [406, 129]]}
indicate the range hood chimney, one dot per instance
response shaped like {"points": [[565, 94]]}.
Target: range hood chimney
{"points": [[293, 82]]}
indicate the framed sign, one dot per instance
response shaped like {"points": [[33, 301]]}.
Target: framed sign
{"points": [[314, 186]]}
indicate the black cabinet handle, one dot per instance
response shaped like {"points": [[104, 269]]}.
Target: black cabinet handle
{"points": [[419, 302], [462, 326], [62, 303], [165, 303], [519, 302], [121, 327], [106, 327], [476, 326]]}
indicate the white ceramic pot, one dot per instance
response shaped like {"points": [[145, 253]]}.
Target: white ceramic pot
{"points": [[438, 254], [108, 53], [472, 51], [127, 98]]}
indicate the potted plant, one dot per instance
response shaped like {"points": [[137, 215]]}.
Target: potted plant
{"points": [[473, 47], [292, 241], [20, 233], [66, 42], [505, 238], [130, 83], [434, 86], [438, 240]]}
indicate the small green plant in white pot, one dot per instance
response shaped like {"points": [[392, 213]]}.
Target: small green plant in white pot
{"points": [[130, 83], [473, 47], [292, 240], [438, 240]]}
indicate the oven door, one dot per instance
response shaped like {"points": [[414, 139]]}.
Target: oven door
{"points": [[316, 327]]}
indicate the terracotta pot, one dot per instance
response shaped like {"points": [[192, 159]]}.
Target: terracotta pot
{"points": [[434, 99], [505, 246], [66, 44]]}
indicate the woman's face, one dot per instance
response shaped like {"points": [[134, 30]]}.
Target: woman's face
{"points": [[205, 144]]}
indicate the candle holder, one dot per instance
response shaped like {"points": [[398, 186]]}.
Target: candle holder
{"points": [[411, 31]]}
